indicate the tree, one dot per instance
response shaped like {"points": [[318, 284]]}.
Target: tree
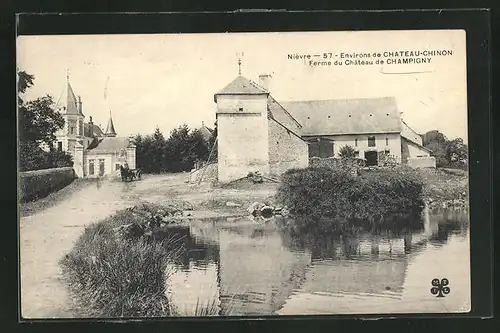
{"points": [[159, 151], [457, 153], [38, 122], [198, 148], [178, 153], [24, 81], [448, 153], [347, 152]]}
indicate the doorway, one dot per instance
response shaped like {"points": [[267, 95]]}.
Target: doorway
{"points": [[371, 158]]}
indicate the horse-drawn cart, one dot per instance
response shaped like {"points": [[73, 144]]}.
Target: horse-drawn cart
{"points": [[130, 174]]}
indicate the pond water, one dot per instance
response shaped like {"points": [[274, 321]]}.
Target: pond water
{"points": [[244, 267]]}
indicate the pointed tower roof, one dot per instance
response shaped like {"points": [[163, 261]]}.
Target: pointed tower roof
{"points": [[68, 103], [241, 86], [110, 129]]}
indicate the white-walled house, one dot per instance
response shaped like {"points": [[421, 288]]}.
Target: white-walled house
{"points": [[369, 125], [96, 153]]}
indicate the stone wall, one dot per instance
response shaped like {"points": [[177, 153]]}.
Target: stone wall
{"points": [[422, 162], [39, 183], [286, 151]]}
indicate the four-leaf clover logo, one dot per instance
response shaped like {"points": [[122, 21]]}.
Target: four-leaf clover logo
{"points": [[440, 288]]}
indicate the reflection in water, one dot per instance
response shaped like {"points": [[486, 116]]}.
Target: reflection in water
{"points": [[243, 267]]}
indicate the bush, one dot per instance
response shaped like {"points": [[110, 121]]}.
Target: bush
{"points": [[40, 183], [32, 157], [116, 274], [314, 191], [335, 194]]}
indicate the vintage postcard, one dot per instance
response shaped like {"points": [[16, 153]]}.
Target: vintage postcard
{"points": [[243, 174]]}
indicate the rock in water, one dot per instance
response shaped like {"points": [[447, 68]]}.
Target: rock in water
{"points": [[267, 211], [284, 211], [255, 207]]}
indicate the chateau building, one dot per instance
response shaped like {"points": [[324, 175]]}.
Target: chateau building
{"points": [[96, 153]]}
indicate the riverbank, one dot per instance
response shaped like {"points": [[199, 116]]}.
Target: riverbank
{"points": [[442, 188], [446, 187], [50, 226]]}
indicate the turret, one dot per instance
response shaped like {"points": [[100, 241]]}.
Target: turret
{"points": [[110, 129]]}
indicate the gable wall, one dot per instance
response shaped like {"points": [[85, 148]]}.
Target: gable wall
{"points": [[286, 151]]}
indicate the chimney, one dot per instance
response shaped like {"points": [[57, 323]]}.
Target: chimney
{"points": [[265, 81], [80, 104], [91, 127], [202, 123]]}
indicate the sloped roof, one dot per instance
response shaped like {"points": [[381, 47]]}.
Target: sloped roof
{"points": [[96, 130], [410, 134], [67, 103], [346, 116], [206, 132], [415, 143], [110, 129], [241, 85], [282, 116], [110, 145]]}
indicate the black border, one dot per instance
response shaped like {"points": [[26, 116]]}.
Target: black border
{"points": [[475, 22]]}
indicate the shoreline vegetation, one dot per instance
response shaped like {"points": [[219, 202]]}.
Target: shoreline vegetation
{"points": [[118, 266]]}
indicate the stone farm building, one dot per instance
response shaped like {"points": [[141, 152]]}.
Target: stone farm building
{"points": [[96, 153], [258, 133]]}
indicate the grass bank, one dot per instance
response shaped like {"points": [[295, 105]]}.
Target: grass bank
{"points": [[118, 266], [445, 187]]}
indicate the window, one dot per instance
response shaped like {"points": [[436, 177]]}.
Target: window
{"points": [[91, 167], [371, 141], [71, 130], [101, 167], [386, 141], [240, 109], [117, 166], [59, 146], [356, 153], [123, 153], [356, 142]]}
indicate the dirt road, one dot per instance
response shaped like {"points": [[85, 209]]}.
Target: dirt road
{"points": [[47, 235]]}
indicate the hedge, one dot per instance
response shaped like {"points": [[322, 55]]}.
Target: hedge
{"points": [[40, 183], [337, 195]]}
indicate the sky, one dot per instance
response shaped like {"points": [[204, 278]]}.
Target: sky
{"points": [[167, 80]]}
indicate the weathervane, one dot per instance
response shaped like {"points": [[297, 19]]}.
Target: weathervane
{"points": [[67, 74], [239, 61]]}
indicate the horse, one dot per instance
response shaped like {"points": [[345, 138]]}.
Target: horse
{"points": [[130, 174]]}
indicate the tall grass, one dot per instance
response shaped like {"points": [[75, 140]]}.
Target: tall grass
{"points": [[115, 276]]}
